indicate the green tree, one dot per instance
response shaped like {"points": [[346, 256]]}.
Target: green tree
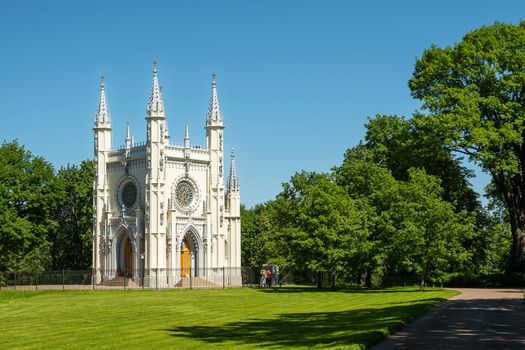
{"points": [[375, 191], [434, 233], [327, 227], [401, 144], [26, 204], [71, 239], [473, 93], [255, 225]]}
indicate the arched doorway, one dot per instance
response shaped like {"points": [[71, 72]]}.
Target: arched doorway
{"points": [[185, 258], [125, 259], [190, 254]]}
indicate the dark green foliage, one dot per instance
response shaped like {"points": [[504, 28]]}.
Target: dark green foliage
{"points": [[254, 224], [72, 238], [26, 203], [45, 218], [401, 144]]}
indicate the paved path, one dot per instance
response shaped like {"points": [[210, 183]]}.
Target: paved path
{"points": [[476, 319]]}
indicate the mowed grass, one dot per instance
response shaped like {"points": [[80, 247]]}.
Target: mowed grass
{"points": [[244, 318]]}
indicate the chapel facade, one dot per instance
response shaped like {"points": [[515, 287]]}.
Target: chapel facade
{"points": [[162, 211]]}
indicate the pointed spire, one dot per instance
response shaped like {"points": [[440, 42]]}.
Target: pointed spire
{"points": [[214, 112], [128, 132], [102, 116], [233, 180], [186, 136], [128, 141], [156, 102]]}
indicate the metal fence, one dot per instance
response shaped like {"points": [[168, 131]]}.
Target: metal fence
{"points": [[223, 277], [151, 279]]}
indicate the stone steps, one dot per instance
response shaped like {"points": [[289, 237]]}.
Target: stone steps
{"points": [[118, 281], [196, 282]]}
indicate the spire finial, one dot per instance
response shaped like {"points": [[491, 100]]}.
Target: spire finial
{"points": [[128, 132], [214, 112], [102, 115], [129, 141], [156, 102], [186, 136]]}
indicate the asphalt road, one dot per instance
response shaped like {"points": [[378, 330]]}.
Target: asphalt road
{"points": [[476, 319]]}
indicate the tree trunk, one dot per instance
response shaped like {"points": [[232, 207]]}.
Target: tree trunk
{"points": [[319, 280], [368, 279], [332, 279], [516, 211], [423, 278], [517, 252]]}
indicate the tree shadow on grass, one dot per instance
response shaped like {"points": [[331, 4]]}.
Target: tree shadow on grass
{"points": [[308, 289], [325, 329]]}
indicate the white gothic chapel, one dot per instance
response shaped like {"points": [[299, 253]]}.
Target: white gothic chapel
{"points": [[161, 211]]}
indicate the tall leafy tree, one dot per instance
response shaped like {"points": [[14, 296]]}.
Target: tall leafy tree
{"points": [[474, 95], [433, 232], [26, 204], [326, 226], [255, 224], [375, 191], [71, 239]]}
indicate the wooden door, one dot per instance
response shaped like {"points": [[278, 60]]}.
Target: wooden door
{"points": [[185, 259], [127, 257]]}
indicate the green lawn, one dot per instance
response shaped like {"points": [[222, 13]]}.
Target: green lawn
{"points": [[244, 318]]}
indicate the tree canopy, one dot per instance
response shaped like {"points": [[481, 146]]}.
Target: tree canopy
{"points": [[474, 97], [45, 216]]}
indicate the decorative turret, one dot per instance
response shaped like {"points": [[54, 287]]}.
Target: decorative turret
{"points": [[155, 182], [233, 214], [233, 180], [102, 146]]}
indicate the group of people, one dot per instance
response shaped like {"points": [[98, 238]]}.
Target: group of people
{"points": [[266, 278]]}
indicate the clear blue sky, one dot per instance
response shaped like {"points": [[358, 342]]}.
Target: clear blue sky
{"points": [[296, 79]]}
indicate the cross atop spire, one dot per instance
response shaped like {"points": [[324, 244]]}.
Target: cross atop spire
{"points": [[102, 116], [156, 101], [233, 179], [214, 112]]}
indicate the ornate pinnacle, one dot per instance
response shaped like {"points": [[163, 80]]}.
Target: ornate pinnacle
{"points": [[186, 132], [214, 112], [102, 116], [128, 133], [186, 136], [155, 103], [233, 179]]}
